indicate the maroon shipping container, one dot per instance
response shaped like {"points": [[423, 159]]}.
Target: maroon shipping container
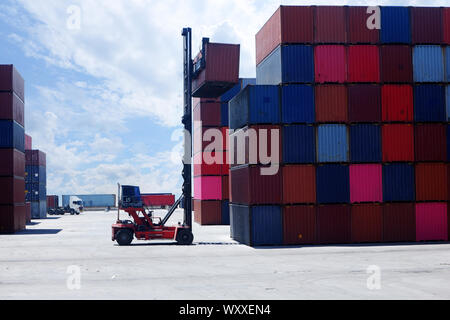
{"points": [[431, 142], [250, 187], [367, 223], [52, 202], [12, 218], [208, 212], [219, 70], [397, 103], [398, 142], [363, 63], [396, 64], [399, 222], [331, 103], [35, 158], [299, 184], [330, 25], [357, 26], [13, 190], [12, 163], [225, 187], [11, 80], [289, 24], [209, 113], [364, 103], [28, 212], [215, 135], [28, 142], [299, 225], [431, 182], [333, 224], [446, 22], [426, 25], [11, 108]]}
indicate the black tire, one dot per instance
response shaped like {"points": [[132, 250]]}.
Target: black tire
{"points": [[184, 237], [124, 237]]}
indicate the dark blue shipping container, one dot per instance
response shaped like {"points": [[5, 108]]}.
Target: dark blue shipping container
{"points": [[267, 225], [39, 209], [332, 140], [35, 192], [398, 182], [333, 184], [299, 144], [365, 143], [429, 103], [224, 122], [297, 104], [237, 88], [226, 213], [447, 99], [255, 105], [448, 142], [395, 25], [36, 174], [287, 64], [12, 135], [240, 223], [447, 63]]}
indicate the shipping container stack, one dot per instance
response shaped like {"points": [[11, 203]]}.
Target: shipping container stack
{"points": [[52, 202], [363, 125], [28, 146], [12, 151], [36, 182], [210, 118]]}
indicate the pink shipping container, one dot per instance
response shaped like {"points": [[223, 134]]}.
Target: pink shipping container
{"points": [[363, 64], [28, 142], [208, 188], [330, 64], [366, 183], [431, 222]]}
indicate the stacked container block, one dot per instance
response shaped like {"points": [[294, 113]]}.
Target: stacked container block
{"points": [[12, 151], [28, 146], [36, 182], [364, 124]]}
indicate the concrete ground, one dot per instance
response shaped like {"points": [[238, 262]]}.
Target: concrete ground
{"points": [[44, 261]]}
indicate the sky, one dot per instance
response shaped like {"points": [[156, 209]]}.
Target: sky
{"points": [[104, 80]]}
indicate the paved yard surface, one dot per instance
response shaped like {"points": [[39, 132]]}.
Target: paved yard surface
{"points": [[34, 265]]}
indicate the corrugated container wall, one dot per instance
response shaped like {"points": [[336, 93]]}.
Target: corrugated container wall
{"points": [[357, 27], [366, 183], [332, 140], [397, 103], [364, 103], [398, 182], [12, 163], [334, 224], [333, 185], [435, 151], [299, 144], [330, 64], [428, 64], [330, 24], [365, 143], [399, 222], [396, 64], [12, 135], [299, 184], [431, 182], [11, 80], [398, 142], [331, 103], [431, 222], [266, 225], [446, 25], [395, 25], [363, 64], [11, 108], [426, 25], [297, 104], [240, 223], [299, 225], [429, 103], [367, 223], [99, 200]]}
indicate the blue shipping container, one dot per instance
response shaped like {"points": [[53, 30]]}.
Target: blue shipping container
{"points": [[299, 144], [35, 192], [224, 114], [255, 105], [447, 64], [39, 209], [12, 135], [333, 184], [226, 213], [447, 99], [237, 88], [398, 182], [332, 143], [93, 200], [297, 104], [429, 103], [428, 64], [448, 142], [365, 143], [36, 174], [267, 226], [287, 64], [240, 223], [395, 25]]}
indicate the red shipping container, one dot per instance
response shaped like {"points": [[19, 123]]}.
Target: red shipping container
{"points": [[331, 103], [202, 166], [11, 80], [299, 184], [364, 103], [446, 22], [12, 163], [220, 72], [431, 222], [35, 158], [367, 223], [397, 103], [363, 63], [12, 218], [13, 190], [399, 222], [299, 225], [357, 26], [208, 139], [250, 187], [431, 182], [226, 138], [426, 25], [448, 222], [28, 212], [334, 224], [225, 187], [163, 200], [396, 64], [431, 142], [330, 25], [398, 142], [208, 212], [28, 142], [289, 24], [11, 108], [330, 64], [208, 113]]}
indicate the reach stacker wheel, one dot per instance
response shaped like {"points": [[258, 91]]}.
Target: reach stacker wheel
{"points": [[185, 237], [124, 237]]}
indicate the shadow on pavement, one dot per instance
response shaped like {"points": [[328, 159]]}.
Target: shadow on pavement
{"points": [[38, 232]]}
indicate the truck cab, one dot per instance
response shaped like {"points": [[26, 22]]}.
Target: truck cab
{"points": [[75, 205]]}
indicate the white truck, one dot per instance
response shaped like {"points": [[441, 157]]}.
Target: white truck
{"points": [[75, 205]]}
